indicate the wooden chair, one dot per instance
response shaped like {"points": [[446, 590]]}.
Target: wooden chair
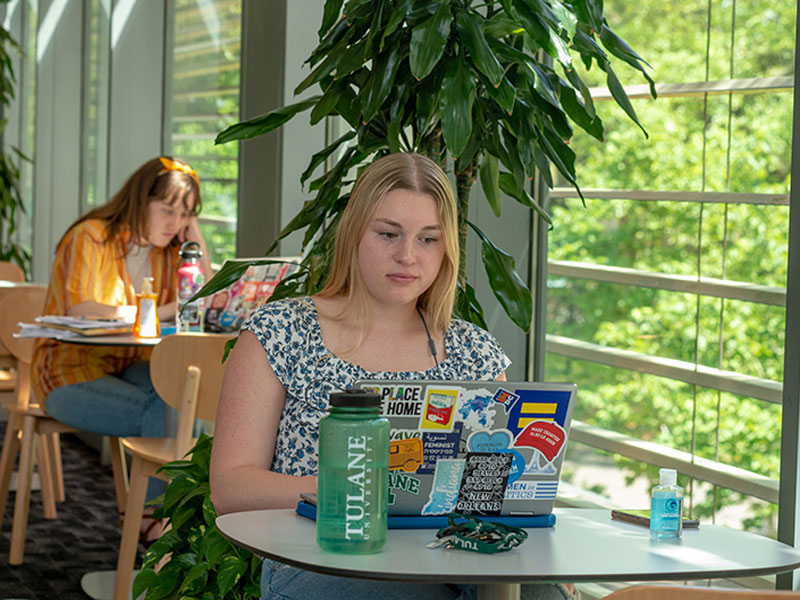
{"points": [[186, 369], [28, 425], [681, 592], [11, 272]]}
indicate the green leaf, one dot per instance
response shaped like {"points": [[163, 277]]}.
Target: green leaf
{"points": [[380, 81], [166, 581], [230, 272], [321, 156], [620, 49], [578, 113], [458, 94], [264, 123], [428, 100], [469, 28], [490, 182], [467, 306], [399, 13], [508, 184], [507, 286], [142, 582], [230, 570], [195, 579], [214, 546], [578, 84], [428, 41], [542, 34], [329, 15], [590, 11], [566, 17], [500, 25], [616, 89]]}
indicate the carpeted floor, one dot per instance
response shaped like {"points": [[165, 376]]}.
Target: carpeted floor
{"points": [[85, 536]]}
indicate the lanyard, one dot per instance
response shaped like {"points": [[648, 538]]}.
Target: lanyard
{"points": [[465, 532]]}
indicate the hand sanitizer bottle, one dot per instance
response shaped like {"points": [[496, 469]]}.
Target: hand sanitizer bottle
{"points": [[666, 507]]}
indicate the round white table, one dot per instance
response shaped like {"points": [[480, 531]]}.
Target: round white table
{"points": [[584, 546]]}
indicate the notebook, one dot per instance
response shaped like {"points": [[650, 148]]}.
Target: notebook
{"points": [[489, 449], [227, 309]]}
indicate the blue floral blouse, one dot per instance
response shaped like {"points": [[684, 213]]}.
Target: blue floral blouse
{"points": [[290, 334]]}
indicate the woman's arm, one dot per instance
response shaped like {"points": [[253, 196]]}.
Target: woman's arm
{"points": [[245, 434], [166, 312]]}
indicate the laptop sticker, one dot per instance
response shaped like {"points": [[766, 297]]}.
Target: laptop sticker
{"points": [[542, 405], [401, 401], [531, 490], [400, 481], [440, 404], [506, 398], [483, 483], [477, 409], [517, 466], [438, 445], [405, 454], [489, 441], [547, 439], [444, 492]]}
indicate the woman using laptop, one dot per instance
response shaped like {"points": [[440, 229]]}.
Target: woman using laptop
{"points": [[384, 313]]}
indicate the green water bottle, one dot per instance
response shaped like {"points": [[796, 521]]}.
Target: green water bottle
{"points": [[353, 481]]}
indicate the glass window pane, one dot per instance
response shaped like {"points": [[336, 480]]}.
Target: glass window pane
{"points": [[203, 100]]}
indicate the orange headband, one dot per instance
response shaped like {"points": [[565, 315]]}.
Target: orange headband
{"points": [[172, 165]]}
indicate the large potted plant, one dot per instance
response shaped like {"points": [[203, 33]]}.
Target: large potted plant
{"points": [[487, 89]]}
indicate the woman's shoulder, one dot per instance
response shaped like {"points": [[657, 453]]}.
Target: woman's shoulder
{"points": [[288, 312], [93, 229], [467, 339]]}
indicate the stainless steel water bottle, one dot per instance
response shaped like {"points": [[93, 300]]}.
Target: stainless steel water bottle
{"points": [[353, 474]]}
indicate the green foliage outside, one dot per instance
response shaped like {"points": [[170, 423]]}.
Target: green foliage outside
{"points": [[746, 243], [205, 100], [11, 204]]}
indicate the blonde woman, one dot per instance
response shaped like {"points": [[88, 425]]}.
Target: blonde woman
{"points": [[385, 313]]}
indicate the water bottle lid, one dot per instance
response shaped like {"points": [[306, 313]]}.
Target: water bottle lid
{"points": [[354, 398], [190, 249], [667, 476]]}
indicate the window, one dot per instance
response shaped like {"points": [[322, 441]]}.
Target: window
{"points": [[203, 99], [666, 292]]}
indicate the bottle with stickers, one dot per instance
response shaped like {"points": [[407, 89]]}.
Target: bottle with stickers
{"points": [[353, 482]]}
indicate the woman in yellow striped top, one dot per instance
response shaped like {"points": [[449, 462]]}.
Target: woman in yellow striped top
{"points": [[97, 271]]}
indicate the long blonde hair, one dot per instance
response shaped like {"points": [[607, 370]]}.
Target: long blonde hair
{"points": [[401, 171]]}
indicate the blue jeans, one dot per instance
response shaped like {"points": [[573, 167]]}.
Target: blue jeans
{"points": [[282, 582], [118, 406]]}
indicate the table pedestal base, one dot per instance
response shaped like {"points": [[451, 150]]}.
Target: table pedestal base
{"points": [[499, 591], [99, 585]]}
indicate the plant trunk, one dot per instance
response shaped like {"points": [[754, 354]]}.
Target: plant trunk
{"points": [[465, 178]]}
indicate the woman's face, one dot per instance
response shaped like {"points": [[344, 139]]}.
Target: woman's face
{"points": [[401, 251], [165, 219]]}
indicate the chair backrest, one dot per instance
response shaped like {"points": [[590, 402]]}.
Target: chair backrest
{"points": [[20, 305], [683, 592], [186, 370], [11, 272]]}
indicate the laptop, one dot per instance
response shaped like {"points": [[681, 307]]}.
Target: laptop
{"points": [[228, 308], [483, 448]]}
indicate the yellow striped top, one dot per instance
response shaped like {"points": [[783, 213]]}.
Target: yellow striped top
{"points": [[86, 268]]}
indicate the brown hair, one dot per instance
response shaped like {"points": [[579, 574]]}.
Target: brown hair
{"points": [[401, 171], [161, 178]]}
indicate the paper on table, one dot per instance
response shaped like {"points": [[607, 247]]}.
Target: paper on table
{"points": [[33, 330], [82, 322]]}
